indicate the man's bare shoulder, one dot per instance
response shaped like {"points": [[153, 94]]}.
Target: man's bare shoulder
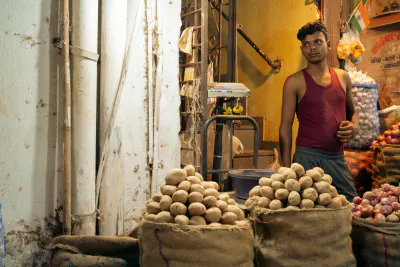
{"points": [[343, 75], [295, 81]]}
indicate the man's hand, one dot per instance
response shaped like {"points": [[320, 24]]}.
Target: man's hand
{"points": [[347, 130]]}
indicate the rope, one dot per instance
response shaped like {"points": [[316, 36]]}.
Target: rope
{"points": [[195, 114]]}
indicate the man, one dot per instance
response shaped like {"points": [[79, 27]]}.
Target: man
{"points": [[321, 97]]}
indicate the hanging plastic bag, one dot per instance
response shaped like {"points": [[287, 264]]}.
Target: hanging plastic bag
{"points": [[356, 47], [343, 49]]}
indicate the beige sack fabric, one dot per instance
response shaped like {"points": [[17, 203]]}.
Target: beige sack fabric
{"points": [[303, 238], [386, 165], [194, 246], [376, 245], [388, 117]]}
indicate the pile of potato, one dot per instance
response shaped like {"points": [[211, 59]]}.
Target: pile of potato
{"points": [[295, 188], [186, 199]]}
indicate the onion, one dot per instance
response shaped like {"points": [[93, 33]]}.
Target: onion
{"points": [[387, 133], [356, 208], [395, 206], [394, 127], [356, 213], [357, 200], [380, 218], [389, 139], [385, 187], [367, 195], [381, 138], [395, 141], [374, 201], [397, 191], [392, 218], [385, 201], [386, 209], [394, 199], [369, 219], [382, 143], [375, 192], [378, 206], [366, 211], [365, 202], [396, 133]]}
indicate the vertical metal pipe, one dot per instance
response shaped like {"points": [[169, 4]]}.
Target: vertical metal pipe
{"points": [[204, 57], [232, 41], [219, 40]]}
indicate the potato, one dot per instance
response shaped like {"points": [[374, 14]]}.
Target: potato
{"points": [[153, 208], [194, 180], [344, 200], [324, 199], [305, 182], [255, 191], [197, 188], [268, 192], [169, 190], [157, 197], [264, 181], [242, 223], [190, 170], [228, 218], [232, 202], [210, 201], [289, 174], [277, 185], [298, 169], [197, 220], [282, 194], [180, 196], [161, 187], [224, 197], [241, 215], [222, 205], [275, 204], [319, 207], [327, 178], [184, 185], [277, 177], [213, 214], [322, 187], [332, 191], [335, 203], [294, 198], [306, 204], [310, 193], [207, 185], [263, 202], [165, 203], [199, 175], [234, 209], [211, 192], [150, 217], [164, 217], [181, 220], [197, 209], [175, 176], [292, 185], [216, 185], [178, 208], [318, 169], [282, 169], [315, 175], [215, 224], [195, 197], [292, 208]]}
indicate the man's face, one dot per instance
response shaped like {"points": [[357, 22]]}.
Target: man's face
{"points": [[315, 47]]}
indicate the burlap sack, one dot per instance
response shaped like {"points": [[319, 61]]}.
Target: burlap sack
{"points": [[386, 166], [388, 117], [180, 246], [376, 245], [303, 238], [88, 251]]}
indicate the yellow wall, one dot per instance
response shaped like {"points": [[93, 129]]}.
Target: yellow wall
{"points": [[273, 26]]}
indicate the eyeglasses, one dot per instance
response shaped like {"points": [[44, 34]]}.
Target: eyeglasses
{"points": [[317, 43]]}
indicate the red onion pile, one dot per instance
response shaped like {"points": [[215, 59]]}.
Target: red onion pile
{"points": [[380, 205], [391, 137]]}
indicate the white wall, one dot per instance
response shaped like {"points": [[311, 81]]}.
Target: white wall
{"points": [[31, 115]]}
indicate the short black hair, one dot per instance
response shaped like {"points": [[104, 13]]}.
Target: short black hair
{"points": [[311, 28]]}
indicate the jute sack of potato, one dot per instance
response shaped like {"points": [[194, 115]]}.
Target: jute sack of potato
{"points": [[304, 237], [175, 245], [376, 245]]}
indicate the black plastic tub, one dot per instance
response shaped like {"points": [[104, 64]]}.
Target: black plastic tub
{"points": [[245, 179]]}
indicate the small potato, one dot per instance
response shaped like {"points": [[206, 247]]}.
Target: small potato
{"points": [[175, 176], [178, 208], [242, 223], [292, 208], [282, 194], [180, 196], [194, 180], [277, 185], [215, 224], [268, 192], [197, 209], [164, 217], [161, 187], [184, 185], [255, 191], [210, 201], [327, 178], [169, 190], [294, 198], [318, 169], [344, 200], [199, 175], [277, 177], [232, 202], [332, 191], [264, 181], [292, 185], [195, 197], [222, 205], [275, 204], [322, 187], [197, 220], [234, 209], [207, 185], [157, 197], [197, 188], [305, 182], [211, 192], [263, 202], [289, 174], [335, 203], [165, 203], [315, 175], [282, 169], [319, 207], [153, 208], [241, 215], [213, 215], [224, 197], [150, 217], [306, 204], [181, 220], [190, 170], [310, 193], [324, 199], [216, 185], [228, 218], [298, 169]]}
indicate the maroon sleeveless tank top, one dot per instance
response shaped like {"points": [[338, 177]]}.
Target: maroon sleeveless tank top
{"points": [[320, 112]]}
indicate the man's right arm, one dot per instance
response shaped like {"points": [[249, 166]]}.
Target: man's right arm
{"points": [[289, 99]]}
